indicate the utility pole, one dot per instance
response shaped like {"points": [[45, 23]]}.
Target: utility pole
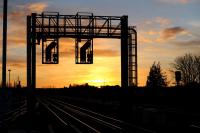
{"points": [[4, 44], [9, 78]]}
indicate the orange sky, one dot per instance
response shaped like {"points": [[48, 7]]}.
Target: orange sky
{"points": [[105, 70]]}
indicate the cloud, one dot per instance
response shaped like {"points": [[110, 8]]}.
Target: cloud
{"points": [[195, 23], [183, 2], [38, 7], [24, 9], [171, 32], [151, 30], [16, 63], [16, 14], [17, 21], [34, 7], [142, 39], [14, 40], [188, 43], [70, 52], [148, 36], [17, 41], [106, 53], [162, 21]]}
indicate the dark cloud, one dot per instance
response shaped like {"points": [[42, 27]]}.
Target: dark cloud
{"points": [[171, 32]]}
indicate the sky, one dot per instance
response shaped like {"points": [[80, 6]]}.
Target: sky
{"points": [[166, 29]]}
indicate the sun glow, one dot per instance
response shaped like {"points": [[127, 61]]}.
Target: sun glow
{"points": [[99, 77], [97, 82]]}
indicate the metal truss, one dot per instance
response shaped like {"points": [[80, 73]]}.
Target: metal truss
{"points": [[48, 27]]}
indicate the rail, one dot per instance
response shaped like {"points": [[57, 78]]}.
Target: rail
{"points": [[84, 120]]}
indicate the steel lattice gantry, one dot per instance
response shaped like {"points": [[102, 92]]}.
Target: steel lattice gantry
{"points": [[48, 27]]}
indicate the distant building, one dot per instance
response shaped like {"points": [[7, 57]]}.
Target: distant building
{"points": [[19, 84]]}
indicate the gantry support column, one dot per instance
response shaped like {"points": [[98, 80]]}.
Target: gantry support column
{"points": [[124, 51], [33, 45], [136, 61], [4, 48], [29, 53], [31, 66]]}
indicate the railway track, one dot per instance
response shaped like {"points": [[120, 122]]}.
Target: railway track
{"points": [[82, 120], [12, 115]]}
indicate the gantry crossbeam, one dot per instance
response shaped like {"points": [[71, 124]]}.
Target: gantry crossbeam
{"points": [[78, 26]]}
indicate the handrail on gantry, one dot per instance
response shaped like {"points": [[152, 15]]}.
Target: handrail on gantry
{"points": [[103, 26]]}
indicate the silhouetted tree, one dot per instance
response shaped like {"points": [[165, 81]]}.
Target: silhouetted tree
{"points": [[197, 64], [156, 77], [189, 65]]}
